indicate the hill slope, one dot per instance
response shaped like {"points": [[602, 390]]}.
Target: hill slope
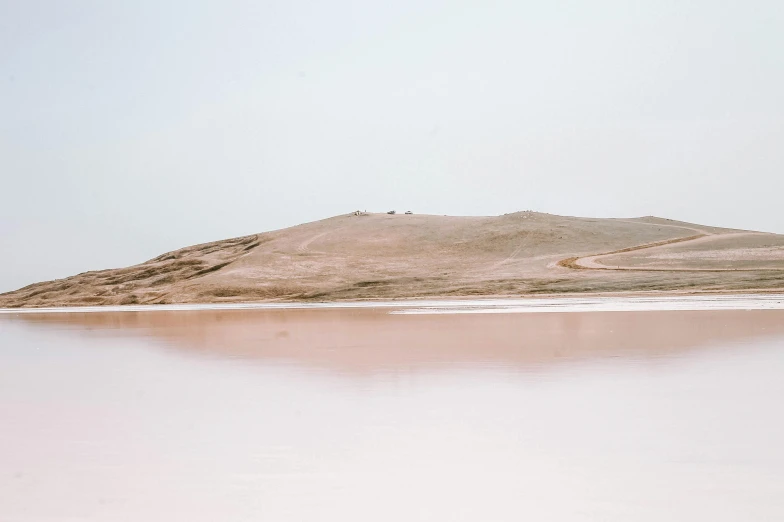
{"points": [[390, 256]]}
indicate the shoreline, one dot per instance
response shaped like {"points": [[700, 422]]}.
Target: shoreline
{"points": [[500, 304]]}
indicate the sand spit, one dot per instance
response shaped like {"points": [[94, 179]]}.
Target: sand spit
{"points": [[380, 256], [463, 306]]}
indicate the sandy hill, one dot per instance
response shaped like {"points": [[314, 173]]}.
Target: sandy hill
{"points": [[390, 256]]}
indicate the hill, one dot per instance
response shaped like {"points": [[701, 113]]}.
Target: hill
{"points": [[362, 256]]}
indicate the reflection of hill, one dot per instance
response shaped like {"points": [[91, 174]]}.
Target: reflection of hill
{"points": [[369, 341]]}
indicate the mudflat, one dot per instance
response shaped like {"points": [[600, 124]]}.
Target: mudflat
{"points": [[380, 256], [365, 414]]}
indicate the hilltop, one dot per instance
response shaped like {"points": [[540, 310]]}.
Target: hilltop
{"points": [[365, 256]]}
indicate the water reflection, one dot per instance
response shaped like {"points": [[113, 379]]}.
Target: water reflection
{"points": [[368, 341], [192, 416]]}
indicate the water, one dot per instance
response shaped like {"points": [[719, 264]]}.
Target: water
{"points": [[359, 414]]}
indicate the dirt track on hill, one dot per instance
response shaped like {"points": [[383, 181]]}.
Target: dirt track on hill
{"points": [[594, 262]]}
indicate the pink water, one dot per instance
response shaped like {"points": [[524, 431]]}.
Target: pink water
{"points": [[357, 415]]}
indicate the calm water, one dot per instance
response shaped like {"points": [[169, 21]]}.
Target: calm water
{"points": [[362, 415]]}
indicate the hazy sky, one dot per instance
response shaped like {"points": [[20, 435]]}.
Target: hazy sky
{"points": [[131, 128]]}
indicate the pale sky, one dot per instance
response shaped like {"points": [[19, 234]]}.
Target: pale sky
{"points": [[128, 129]]}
